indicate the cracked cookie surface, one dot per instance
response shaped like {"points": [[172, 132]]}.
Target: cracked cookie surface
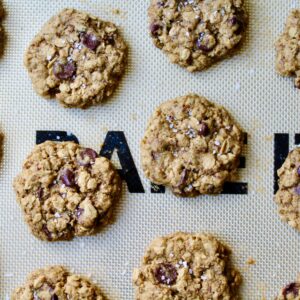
{"points": [[196, 33], [288, 195], [66, 190], [191, 145], [288, 47], [186, 266], [77, 59], [290, 291], [57, 283]]}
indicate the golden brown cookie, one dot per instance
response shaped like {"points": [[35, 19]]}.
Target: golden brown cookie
{"points": [[288, 195], [186, 266], [77, 59], [197, 33], [57, 283], [66, 190], [191, 145], [288, 47]]}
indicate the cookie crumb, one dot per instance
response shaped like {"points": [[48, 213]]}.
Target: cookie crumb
{"points": [[251, 261]]}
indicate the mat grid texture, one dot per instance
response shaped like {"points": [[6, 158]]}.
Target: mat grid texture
{"points": [[262, 102]]}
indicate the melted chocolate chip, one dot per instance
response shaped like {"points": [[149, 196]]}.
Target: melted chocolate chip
{"points": [[88, 156], [90, 41], [298, 171], [205, 42], [54, 297], [40, 193], [53, 91], [292, 288], [235, 21], [68, 178], [109, 40], [155, 29], [203, 130], [64, 71], [47, 232], [166, 274]]}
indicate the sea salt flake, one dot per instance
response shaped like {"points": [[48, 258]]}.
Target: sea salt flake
{"points": [[57, 215], [185, 264], [203, 277]]}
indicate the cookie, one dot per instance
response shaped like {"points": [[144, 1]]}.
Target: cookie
{"points": [[291, 291], [191, 145], [288, 195], [66, 190], [57, 283], [287, 48], [186, 266], [77, 59], [197, 33]]}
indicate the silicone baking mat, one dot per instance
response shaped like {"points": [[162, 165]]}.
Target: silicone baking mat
{"points": [[265, 105]]}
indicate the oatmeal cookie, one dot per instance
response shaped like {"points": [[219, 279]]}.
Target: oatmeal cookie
{"points": [[76, 58], [196, 33], [288, 47], [191, 145], [57, 283], [66, 190], [186, 266], [288, 195]]}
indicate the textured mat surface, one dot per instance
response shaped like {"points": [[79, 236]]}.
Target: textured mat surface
{"points": [[262, 102]]}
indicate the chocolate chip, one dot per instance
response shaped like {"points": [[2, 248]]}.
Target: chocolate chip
{"points": [[88, 156], [292, 288], [166, 274], [64, 71], [203, 130], [54, 297], [155, 29], [235, 21], [40, 193], [90, 41], [53, 91], [205, 42], [297, 190], [109, 40], [78, 212], [298, 171], [47, 232], [68, 178]]}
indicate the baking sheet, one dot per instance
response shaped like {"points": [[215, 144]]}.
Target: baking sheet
{"points": [[263, 103]]}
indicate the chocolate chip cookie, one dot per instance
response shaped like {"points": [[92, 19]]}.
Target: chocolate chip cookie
{"points": [[57, 283], [77, 59], [288, 47], [66, 190], [191, 145], [288, 195], [290, 292], [196, 33], [186, 266]]}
